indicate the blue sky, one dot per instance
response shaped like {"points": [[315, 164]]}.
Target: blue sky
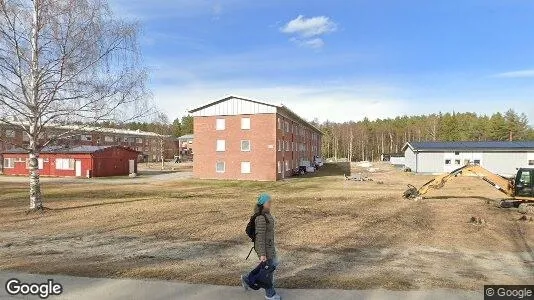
{"points": [[340, 60]]}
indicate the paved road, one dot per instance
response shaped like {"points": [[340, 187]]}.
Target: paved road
{"points": [[145, 177], [79, 288]]}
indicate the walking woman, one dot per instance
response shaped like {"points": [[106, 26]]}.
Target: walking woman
{"points": [[264, 243]]}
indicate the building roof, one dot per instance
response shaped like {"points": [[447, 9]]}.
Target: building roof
{"points": [[471, 145], [70, 150], [186, 137], [279, 106], [84, 129]]}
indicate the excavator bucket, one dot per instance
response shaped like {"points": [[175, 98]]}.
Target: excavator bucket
{"points": [[411, 192]]}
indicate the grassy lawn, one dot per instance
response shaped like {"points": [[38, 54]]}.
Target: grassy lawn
{"points": [[330, 232]]}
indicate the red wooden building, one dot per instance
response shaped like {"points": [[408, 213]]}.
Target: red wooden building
{"points": [[82, 161]]}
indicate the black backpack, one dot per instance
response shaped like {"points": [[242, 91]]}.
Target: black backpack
{"points": [[250, 230]]}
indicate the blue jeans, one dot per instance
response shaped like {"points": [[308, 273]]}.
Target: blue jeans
{"points": [[272, 262]]}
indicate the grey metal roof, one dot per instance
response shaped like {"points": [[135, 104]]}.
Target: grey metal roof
{"points": [[72, 150], [186, 137], [471, 145]]}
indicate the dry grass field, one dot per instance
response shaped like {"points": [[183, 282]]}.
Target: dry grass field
{"points": [[331, 233]]}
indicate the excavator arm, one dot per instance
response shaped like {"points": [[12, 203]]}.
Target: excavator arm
{"points": [[502, 184]]}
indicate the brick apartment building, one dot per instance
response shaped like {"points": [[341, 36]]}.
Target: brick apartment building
{"points": [[245, 139], [148, 144]]}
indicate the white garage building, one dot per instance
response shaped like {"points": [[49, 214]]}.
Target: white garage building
{"points": [[439, 157]]}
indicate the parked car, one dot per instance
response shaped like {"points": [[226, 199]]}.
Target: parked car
{"points": [[318, 161], [307, 166]]}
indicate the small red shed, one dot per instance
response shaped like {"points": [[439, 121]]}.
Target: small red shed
{"points": [[82, 161]]}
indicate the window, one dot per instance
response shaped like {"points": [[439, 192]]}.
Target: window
{"points": [[20, 160], [245, 145], [279, 124], [245, 123], [477, 161], [456, 161], [287, 165], [530, 162], [10, 133], [279, 145], [287, 145], [447, 161], [245, 167], [279, 167], [220, 167], [139, 140], [9, 163], [287, 126], [64, 164], [86, 137], [221, 145], [220, 124], [108, 139], [456, 153], [40, 163]]}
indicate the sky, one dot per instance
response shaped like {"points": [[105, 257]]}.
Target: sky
{"points": [[339, 60]]}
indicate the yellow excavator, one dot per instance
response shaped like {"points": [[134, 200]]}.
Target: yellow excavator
{"points": [[521, 187]]}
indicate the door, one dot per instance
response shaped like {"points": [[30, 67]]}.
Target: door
{"points": [[524, 183], [78, 167], [131, 166]]}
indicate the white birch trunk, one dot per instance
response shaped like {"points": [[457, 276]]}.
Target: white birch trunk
{"points": [[36, 198]]}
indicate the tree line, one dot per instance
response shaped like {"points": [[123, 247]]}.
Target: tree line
{"points": [[367, 140]]}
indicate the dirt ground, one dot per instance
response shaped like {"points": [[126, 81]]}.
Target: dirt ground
{"points": [[331, 233]]}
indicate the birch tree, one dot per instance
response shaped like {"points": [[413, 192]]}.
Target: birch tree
{"points": [[65, 62]]}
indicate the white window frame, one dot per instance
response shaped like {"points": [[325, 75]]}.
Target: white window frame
{"points": [[279, 123], [287, 165], [86, 137], [220, 124], [10, 133], [108, 139], [279, 167], [279, 145], [65, 164], [220, 146], [249, 146], [245, 123], [223, 167], [246, 167], [9, 163]]}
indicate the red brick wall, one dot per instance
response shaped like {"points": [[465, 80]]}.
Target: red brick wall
{"points": [[291, 153], [262, 135]]}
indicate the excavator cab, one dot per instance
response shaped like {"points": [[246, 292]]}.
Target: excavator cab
{"points": [[524, 182]]}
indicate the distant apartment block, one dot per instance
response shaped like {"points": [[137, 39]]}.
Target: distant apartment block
{"points": [[148, 144], [245, 139]]}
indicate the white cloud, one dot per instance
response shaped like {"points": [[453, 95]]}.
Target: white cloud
{"points": [[308, 31], [309, 27], [516, 74]]}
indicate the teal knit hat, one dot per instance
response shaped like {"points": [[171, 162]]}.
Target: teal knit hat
{"points": [[263, 198]]}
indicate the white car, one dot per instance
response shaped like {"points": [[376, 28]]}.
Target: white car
{"points": [[309, 167]]}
